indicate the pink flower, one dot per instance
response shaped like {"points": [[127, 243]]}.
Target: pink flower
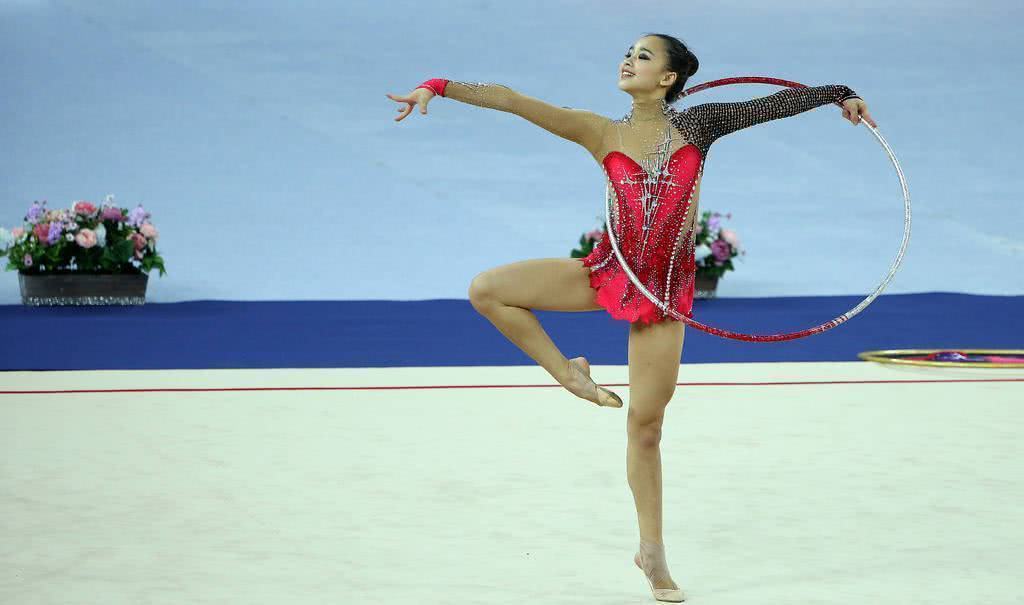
{"points": [[140, 243], [151, 232], [721, 250], [42, 232], [17, 232], [730, 236], [111, 214], [84, 208], [699, 228], [27, 260], [86, 238]]}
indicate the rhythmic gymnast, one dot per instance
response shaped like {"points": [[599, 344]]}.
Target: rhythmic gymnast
{"points": [[653, 159]]}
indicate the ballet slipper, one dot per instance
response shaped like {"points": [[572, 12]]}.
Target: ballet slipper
{"points": [[584, 386], [651, 560]]}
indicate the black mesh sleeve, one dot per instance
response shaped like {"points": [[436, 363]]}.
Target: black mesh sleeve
{"points": [[721, 119]]}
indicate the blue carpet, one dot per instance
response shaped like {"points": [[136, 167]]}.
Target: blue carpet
{"points": [[449, 332]]}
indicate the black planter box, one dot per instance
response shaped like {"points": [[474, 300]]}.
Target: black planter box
{"points": [[705, 287], [71, 289]]}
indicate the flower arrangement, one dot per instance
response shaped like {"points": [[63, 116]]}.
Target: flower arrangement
{"points": [[714, 246], [83, 239], [588, 240]]}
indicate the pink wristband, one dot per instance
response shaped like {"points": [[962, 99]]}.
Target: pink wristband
{"points": [[435, 85]]}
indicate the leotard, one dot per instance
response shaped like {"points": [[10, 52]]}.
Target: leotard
{"points": [[651, 211]]}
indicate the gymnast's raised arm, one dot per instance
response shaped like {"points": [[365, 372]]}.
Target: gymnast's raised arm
{"points": [[577, 125], [720, 119]]}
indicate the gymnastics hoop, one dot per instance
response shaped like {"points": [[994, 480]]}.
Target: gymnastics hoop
{"points": [[945, 357], [786, 335]]}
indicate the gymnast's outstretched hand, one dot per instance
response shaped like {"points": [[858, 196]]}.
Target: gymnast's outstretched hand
{"points": [[419, 96], [854, 109]]}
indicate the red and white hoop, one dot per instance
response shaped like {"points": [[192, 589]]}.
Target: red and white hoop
{"points": [[788, 335]]}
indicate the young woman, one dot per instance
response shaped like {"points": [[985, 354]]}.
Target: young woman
{"points": [[653, 159]]}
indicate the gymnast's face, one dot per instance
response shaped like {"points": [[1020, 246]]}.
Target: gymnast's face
{"points": [[647, 60]]}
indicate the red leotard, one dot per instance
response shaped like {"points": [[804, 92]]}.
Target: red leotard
{"points": [[661, 254]]}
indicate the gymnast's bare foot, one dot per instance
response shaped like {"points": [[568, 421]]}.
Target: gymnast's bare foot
{"points": [[581, 385]]}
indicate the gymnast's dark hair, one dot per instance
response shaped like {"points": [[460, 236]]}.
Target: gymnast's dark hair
{"points": [[680, 60]]}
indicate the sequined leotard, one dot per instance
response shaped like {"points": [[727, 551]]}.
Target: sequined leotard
{"points": [[651, 211]]}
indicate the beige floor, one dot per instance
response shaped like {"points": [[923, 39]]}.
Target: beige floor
{"points": [[186, 491]]}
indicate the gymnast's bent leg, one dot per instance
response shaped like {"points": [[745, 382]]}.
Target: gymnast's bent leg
{"points": [[506, 294]]}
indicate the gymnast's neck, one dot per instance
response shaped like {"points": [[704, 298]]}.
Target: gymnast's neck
{"points": [[643, 110]]}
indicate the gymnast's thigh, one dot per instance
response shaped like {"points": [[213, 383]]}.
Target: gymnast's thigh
{"points": [[655, 353], [545, 284]]}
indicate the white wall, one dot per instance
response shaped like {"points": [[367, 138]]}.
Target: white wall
{"points": [[259, 137]]}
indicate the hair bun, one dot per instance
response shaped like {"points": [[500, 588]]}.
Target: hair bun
{"points": [[694, 65]]}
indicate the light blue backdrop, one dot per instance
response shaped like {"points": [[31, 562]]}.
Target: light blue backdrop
{"points": [[259, 137]]}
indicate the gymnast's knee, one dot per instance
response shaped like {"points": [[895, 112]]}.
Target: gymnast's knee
{"points": [[644, 428], [481, 291]]}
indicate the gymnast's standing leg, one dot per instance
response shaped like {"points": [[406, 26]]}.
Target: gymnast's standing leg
{"points": [[655, 351]]}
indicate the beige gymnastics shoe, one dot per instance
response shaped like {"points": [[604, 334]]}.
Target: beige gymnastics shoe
{"points": [[651, 560], [582, 385]]}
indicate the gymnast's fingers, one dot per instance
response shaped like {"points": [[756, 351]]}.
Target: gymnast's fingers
{"points": [[867, 116], [405, 111]]}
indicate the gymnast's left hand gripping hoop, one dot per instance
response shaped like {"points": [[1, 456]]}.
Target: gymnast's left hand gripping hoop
{"points": [[663, 305]]}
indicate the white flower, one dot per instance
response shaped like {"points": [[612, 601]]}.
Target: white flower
{"points": [[6, 239], [701, 252]]}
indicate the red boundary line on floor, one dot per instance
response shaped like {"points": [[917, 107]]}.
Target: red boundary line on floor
{"points": [[496, 386]]}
